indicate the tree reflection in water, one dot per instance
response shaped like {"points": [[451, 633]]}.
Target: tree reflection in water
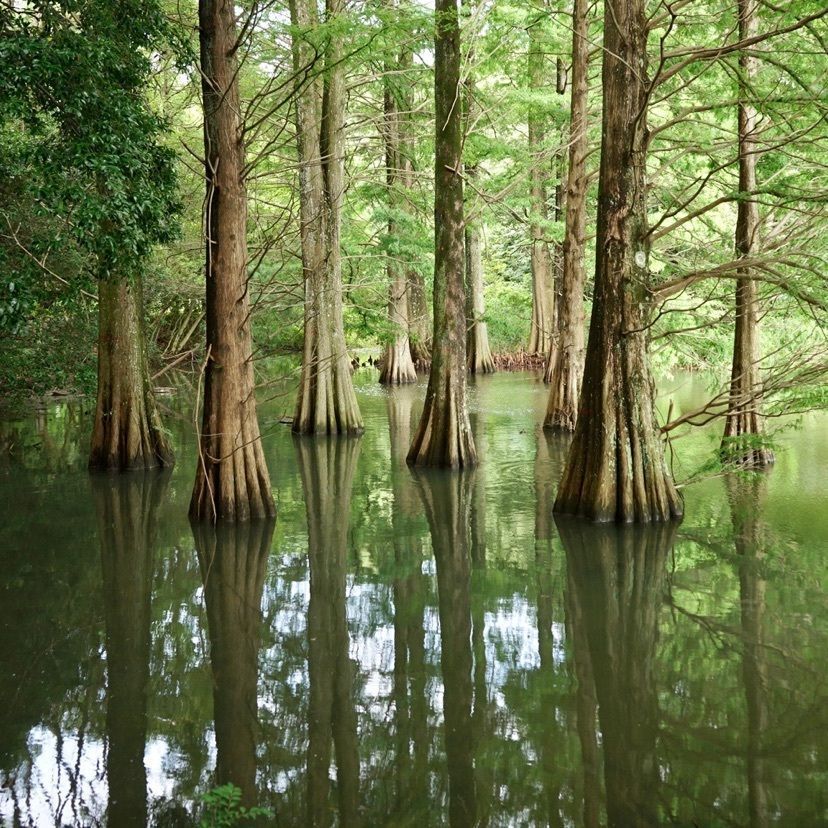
{"points": [[233, 562], [746, 495], [445, 498], [409, 592], [326, 466], [616, 576], [127, 512]]}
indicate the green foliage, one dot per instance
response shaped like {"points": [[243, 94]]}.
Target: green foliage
{"points": [[223, 808], [74, 78]]}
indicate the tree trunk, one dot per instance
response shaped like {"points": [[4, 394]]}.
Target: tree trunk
{"points": [[742, 442], [397, 364], [478, 354], [543, 296], [566, 360], [615, 469], [326, 403], [233, 563], [232, 481], [446, 504], [127, 511], [327, 470], [616, 577], [419, 324], [127, 433], [444, 435]]}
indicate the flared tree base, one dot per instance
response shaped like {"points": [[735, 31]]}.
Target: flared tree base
{"points": [[232, 482], [564, 391], [397, 365], [479, 359], [444, 438]]}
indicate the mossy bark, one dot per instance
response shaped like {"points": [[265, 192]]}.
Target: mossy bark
{"points": [[742, 442], [615, 469], [444, 436], [565, 367], [127, 433], [233, 562], [326, 402], [232, 481]]}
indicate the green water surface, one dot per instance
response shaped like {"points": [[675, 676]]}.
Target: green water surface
{"points": [[408, 648]]}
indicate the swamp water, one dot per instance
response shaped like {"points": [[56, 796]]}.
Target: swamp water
{"points": [[411, 649]]}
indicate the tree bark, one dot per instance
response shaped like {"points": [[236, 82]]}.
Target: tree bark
{"points": [[478, 354], [397, 363], [419, 324], [543, 296], [326, 403], [444, 435], [742, 441], [127, 512], [127, 433], [327, 470], [233, 563], [479, 357], [566, 360], [615, 469], [232, 481]]}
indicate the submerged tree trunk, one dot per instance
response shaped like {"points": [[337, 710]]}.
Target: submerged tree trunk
{"points": [[397, 363], [566, 360], [742, 441], [543, 294], [327, 470], [327, 403], [127, 511], [615, 469], [233, 563], [444, 435], [232, 481], [127, 433]]}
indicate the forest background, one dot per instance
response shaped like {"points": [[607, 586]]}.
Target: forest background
{"points": [[517, 61]]}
